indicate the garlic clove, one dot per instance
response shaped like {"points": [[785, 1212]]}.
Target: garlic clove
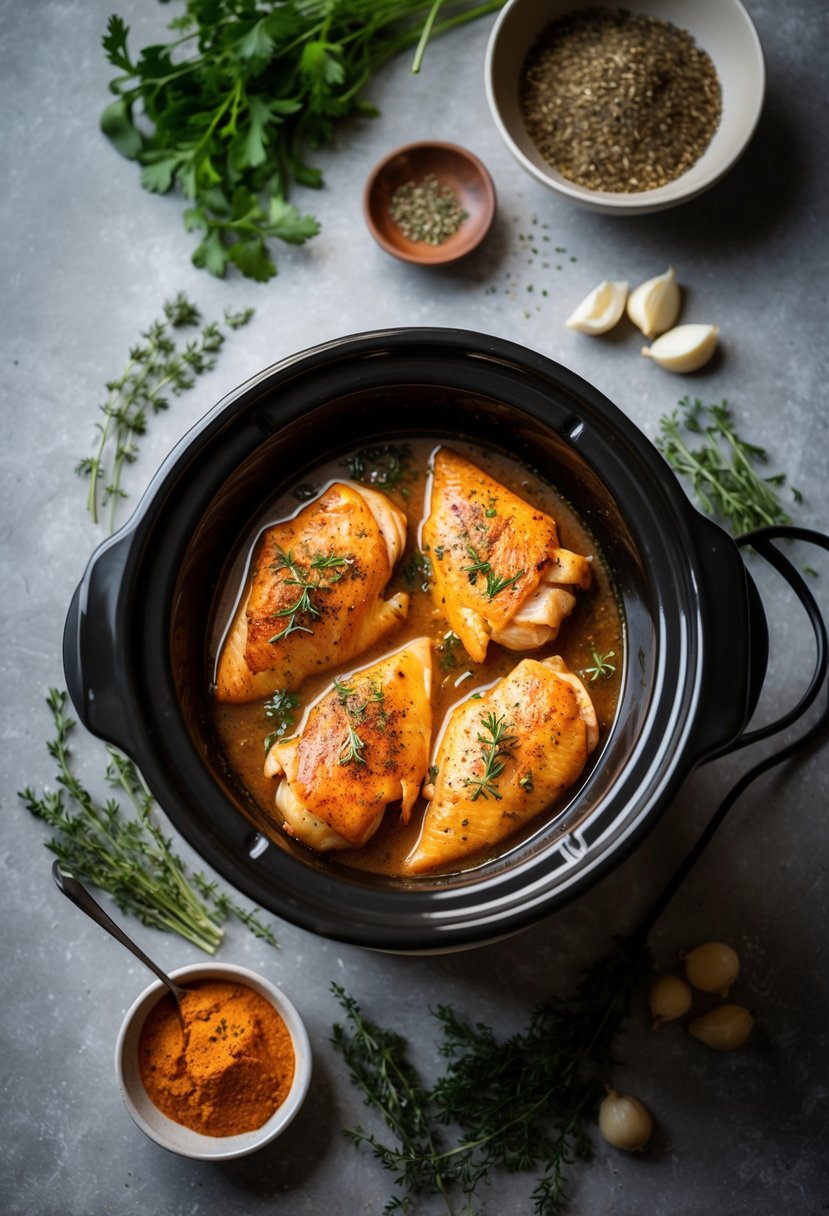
{"points": [[711, 967], [684, 348], [723, 1028], [669, 998], [601, 309], [624, 1121], [653, 306]]}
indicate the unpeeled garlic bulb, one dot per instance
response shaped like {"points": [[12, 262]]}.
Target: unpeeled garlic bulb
{"points": [[684, 348], [723, 1028], [624, 1121], [669, 998], [653, 306], [601, 309], [711, 967]]}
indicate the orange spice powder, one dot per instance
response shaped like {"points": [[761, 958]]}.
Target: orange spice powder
{"points": [[230, 1067]]}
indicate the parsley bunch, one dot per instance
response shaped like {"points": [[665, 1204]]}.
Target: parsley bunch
{"points": [[228, 110]]}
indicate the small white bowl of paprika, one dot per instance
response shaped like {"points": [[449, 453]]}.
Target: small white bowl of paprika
{"points": [[231, 1081]]}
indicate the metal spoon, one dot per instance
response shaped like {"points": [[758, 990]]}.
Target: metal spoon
{"points": [[78, 894]]}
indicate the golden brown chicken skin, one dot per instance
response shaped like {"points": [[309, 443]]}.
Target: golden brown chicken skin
{"points": [[363, 745], [499, 572], [503, 758], [314, 595]]}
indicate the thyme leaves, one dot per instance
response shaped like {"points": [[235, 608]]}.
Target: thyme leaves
{"points": [[495, 583], [128, 855], [601, 667], [496, 747], [723, 468], [522, 1104], [158, 367], [329, 569], [352, 747]]}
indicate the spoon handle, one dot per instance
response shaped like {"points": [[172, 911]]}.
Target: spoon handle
{"points": [[78, 894]]}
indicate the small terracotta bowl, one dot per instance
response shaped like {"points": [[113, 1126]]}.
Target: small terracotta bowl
{"points": [[174, 1136], [453, 166]]}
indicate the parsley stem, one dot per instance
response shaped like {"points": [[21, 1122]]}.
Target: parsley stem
{"points": [[425, 34]]}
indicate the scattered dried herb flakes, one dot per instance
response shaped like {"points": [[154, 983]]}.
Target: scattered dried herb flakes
{"points": [[619, 101], [536, 250]]}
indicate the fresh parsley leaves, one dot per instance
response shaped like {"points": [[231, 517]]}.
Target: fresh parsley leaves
{"points": [[228, 110]]}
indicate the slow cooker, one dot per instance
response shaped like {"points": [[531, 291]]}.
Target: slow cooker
{"points": [[695, 633]]}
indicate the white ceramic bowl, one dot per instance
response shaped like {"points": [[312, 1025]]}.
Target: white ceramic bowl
{"points": [[723, 28], [174, 1136]]}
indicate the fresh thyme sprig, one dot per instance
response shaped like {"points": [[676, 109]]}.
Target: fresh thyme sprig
{"points": [[478, 565], [226, 906], [495, 583], [521, 1104], [497, 746], [127, 856], [304, 605], [378, 1063], [355, 708], [601, 668], [157, 368], [352, 747], [723, 470]]}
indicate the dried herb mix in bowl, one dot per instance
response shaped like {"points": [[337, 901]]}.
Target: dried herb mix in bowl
{"points": [[426, 210], [619, 101]]}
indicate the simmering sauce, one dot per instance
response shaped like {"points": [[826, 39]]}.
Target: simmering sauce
{"points": [[593, 632]]}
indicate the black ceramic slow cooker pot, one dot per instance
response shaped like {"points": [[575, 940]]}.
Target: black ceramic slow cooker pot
{"points": [[696, 643]]}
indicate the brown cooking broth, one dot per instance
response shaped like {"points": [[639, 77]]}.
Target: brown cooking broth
{"points": [[594, 626]]}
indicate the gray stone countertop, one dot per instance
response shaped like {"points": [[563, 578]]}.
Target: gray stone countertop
{"points": [[88, 259]]}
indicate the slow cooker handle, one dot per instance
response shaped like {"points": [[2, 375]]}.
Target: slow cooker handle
{"points": [[94, 681], [761, 541]]}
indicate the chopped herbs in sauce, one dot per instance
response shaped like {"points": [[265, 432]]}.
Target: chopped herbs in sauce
{"points": [[280, 710], [385, 465], [418, 571], [446, 648]]}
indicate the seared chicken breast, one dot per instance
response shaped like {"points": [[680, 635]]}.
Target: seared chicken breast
{"points": [[499, 573], [503, 758], [363, 745], [314, 594]]}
